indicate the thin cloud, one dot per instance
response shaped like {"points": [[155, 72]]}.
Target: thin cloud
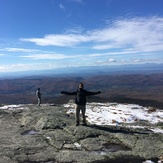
{"points": [[141, 34], [138, 33], [76, 30], [68, 40], [128, 51], [63, 56], [50, 56], [112, 60], [61, 6], [14, 67], [55, 56], [77, 1], [32, 66], [145, 60], [20, 50]]}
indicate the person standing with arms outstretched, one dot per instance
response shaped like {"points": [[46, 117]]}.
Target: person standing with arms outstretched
{"points": [[38, 95], [80, 101]]}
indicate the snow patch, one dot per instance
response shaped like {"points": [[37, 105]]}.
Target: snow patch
{"points": [[118, 114], [13, 107]]}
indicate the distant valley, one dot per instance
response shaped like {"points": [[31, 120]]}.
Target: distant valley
{"points": [[144, 88]]}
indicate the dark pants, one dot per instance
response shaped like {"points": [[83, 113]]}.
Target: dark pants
{"points": [[77, 113]]}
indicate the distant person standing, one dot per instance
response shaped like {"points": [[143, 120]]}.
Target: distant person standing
{"points": [[38, 95], [80, 101]]}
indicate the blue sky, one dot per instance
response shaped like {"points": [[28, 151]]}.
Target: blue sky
{"points": [[47, 34]]}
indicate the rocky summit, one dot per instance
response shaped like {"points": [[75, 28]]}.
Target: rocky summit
{"points": [[46, 134]]}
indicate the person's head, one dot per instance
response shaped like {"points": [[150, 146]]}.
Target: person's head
{"points": [[81, 85], [38, 89]]}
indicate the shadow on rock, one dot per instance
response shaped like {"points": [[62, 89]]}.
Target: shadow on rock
{"points": [[117, 129]]}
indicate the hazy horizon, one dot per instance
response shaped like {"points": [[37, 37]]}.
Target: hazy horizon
{"points": [[88, 70]]}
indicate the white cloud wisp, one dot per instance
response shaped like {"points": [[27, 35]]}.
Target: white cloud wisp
{"points": [[142, 34], [48, 56]]}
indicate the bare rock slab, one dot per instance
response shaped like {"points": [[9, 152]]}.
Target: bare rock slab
{"points": [[47, 135]]}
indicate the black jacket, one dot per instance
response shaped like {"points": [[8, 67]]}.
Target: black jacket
{"points": [[81, 95]]}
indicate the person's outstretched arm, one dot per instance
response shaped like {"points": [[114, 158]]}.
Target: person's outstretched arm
{"points": [[92, 93], [68, 93]]}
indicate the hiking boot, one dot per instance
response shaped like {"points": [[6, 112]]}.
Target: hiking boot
{"points": [[85, 124], [77, 123]]}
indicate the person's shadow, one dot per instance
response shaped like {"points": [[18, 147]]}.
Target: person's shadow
{"points": [[119, 129]]}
